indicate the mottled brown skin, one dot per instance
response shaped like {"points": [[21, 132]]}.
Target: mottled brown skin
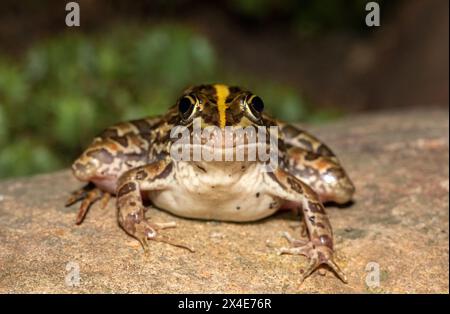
{"points": [[132, 161]]}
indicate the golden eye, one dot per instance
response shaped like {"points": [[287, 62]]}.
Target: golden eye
{"points": [[186, 106], [255, 106]]}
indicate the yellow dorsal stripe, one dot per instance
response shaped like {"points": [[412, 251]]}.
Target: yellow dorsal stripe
{"points": [[222, 93]]}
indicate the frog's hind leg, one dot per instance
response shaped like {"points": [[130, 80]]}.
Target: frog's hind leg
{"points": [[323, 173], [314, 163], [296, 137], [89, 194]]}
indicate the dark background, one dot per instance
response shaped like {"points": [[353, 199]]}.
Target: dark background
{"points": [[311, 61]]}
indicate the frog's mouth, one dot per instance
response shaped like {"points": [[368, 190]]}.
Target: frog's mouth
{"points": [[233, 144]]}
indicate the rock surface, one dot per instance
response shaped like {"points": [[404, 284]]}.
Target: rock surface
{"points": [[398, 224]]}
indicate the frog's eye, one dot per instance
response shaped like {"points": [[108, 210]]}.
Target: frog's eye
{"points": [[255, 106], [186, 106]]}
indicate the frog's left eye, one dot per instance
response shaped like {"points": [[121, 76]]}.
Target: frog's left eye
{"points": [[186, 106], [255, 106]]}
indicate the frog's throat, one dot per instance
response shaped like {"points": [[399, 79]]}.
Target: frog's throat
{"points": [[222, 92]]}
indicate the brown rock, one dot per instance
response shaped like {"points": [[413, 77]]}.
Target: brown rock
{"points": [[399, 220]]}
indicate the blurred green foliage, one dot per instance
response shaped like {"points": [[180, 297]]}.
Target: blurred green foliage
{"points": [[67, 89], [309, 17]]}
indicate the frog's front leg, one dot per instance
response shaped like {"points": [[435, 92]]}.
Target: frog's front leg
{"points": [[319, 248], [131, 211]]}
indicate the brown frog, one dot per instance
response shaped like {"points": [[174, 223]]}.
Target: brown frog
{"points": [[199, 174]]}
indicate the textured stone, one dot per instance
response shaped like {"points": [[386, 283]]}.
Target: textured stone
{"points": [[399, 219]]}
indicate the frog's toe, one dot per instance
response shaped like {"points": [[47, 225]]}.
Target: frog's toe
{"points": [[146, 230], [88, 194], [165, 225], [318, 256], [322, 255], [79, 194]]}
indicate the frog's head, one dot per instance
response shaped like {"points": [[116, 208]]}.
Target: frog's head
{"points": [[220, 105], [212, 112]]}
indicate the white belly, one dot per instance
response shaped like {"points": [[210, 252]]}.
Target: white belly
{"points": [[219, 194]]}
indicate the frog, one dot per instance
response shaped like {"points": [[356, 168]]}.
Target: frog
{"points": [[136, 162]]}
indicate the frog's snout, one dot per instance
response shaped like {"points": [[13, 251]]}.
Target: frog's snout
{"points": [[84, 171], [344, 191]]}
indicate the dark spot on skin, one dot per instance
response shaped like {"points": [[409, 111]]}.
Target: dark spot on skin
{"points": [[108, 133], [233, 90], [210, 117], [306, 172], [337, 173], [281, 145], [238, 207], [201, 168], [102, 155], [290, 132], [141, 175], [295, 185], [122, 140], [126, 188], [311, 156], [142, 126], [233, 117], [133, 157], [316, 208], [132, 203], [273, 205], [167, 170], [323, 150], [257, 194], [154, 156], [312, 219], [305, 144], [230, 98]]}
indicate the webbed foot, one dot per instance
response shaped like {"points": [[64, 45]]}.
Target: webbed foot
{"points": [[318, 255], [144, 231]]}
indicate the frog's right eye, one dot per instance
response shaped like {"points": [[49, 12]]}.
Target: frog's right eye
{"points": [[186, 106]]}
